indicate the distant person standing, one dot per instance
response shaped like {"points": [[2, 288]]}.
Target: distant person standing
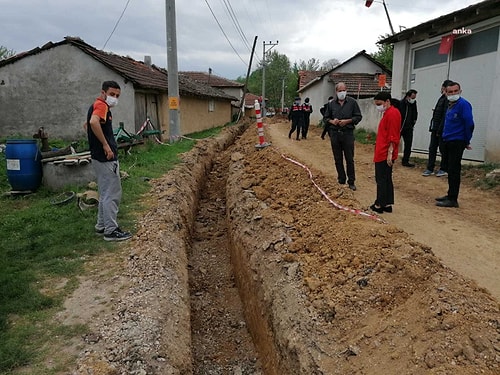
{"points": [[296, 115], [386, 151], [322, 111], [104, 154], [436, 129], [308, 109], [457, 134], [341, 116], [409, 114]]}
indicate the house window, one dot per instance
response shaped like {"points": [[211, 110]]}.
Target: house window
{"points": [[428, 56], [211, 105], [475, 44]]}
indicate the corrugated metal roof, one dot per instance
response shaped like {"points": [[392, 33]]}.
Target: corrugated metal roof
{"points": [[445, 24]]}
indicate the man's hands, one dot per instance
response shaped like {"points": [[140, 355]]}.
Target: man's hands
{"points": [[338, 122], [108, 152]]}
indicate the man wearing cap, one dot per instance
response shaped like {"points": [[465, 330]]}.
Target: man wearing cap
{"points": [[308, 109], [341, 116], [296, 115]]}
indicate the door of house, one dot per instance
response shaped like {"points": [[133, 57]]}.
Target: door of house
{"points": [[146, 105]]}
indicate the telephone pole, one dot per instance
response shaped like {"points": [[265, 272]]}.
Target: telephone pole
{"points": [[271, 45], [173, 73]]}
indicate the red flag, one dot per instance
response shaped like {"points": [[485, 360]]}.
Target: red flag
{"points": [[381, 80], [446, 44], [368, 3]]}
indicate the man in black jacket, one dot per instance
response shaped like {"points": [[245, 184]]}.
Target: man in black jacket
{"points": [[340, 118], [436, 129], [296, 115], [307, 109], [409, 114]]}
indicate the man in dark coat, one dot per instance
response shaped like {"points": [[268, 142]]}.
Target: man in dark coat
{"points": [[296, 115], [341, 116], [409, 114], [436, 129], [308, 109]]}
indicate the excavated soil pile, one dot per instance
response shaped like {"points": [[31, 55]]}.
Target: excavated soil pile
{"points": [[342, 293], [325, 291]]}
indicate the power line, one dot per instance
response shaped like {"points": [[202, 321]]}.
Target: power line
{"points": [[236, 23], [116, 25], [223, 32]]}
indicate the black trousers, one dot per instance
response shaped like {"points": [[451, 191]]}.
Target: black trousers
{"points": [[342, 142], [296, 126], [455, 152], [407, 135], [305, 127], [385, 187], [435, 143]]}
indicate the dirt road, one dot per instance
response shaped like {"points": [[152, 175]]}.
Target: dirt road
{"points": [[465, 239]]}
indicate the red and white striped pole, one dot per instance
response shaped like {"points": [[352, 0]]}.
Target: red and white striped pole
{"points": [[260, 127]]}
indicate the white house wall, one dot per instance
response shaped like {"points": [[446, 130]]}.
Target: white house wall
{"points": [[54, 89], [492, 145], [479, 79]]}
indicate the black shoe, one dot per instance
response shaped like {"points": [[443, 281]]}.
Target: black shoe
{"points": [[447, 203], [352, 187], [341, 182], [379, 210], [118, 235], [409, 165], [440, 199], [387, 208], [99, 232]]}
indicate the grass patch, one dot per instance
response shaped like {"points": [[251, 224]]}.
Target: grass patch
{"points": [[41, 243], [364, 136]]}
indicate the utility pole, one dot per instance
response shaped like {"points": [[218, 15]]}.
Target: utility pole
{"points": [[282, 95], [368, 3], [264, 45], [173, 73], [242, 102]]}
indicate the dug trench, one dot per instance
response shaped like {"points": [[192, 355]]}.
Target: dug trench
{"points": [[321, 290]]}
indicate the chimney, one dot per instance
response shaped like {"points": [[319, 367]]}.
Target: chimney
{"points": [[147, 60]]}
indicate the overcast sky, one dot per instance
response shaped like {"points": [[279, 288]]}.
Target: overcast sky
{"points": [[305, 29]]}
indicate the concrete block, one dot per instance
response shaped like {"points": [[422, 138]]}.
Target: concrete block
{"points": [[56, 176]]}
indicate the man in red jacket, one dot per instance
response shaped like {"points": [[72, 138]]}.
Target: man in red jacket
{"points": [[386, 151]]}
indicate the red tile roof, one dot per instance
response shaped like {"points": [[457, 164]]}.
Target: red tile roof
{"points": [[365, 83], [212, 79], [140, 74], [306, 76]]}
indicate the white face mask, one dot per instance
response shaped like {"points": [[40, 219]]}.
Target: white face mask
{"points": [[341, 95], [112, 101], [380, 108], [453, 98], [411, 101]]}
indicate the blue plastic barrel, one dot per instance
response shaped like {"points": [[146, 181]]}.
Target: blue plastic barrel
{"points": [[24, 164]]}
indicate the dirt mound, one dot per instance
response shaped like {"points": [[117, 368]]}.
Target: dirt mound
{"points": [[369, 299], [325, 291]]}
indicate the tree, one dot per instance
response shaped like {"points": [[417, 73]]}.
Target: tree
{"points": [[311, 64], [6, 53], [330, 64], [278, 73], [385, 52]]}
